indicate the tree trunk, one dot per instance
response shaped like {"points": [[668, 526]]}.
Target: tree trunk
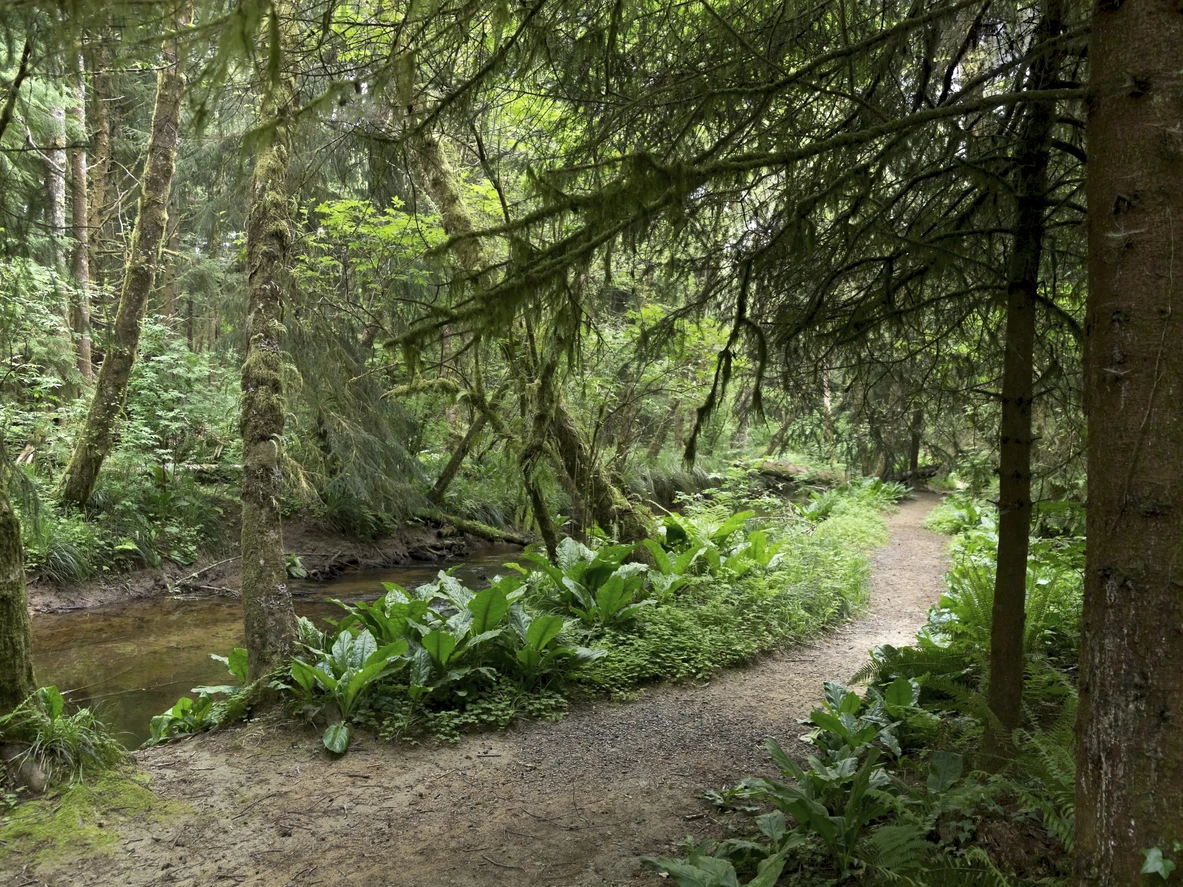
{"points": [[97, 436], [266, 601], [100, 168], [80, 313], [663, 432], [436, 494], [16, 646], [1005, 694], [55, 189], [914, 444], [1129, 753]]}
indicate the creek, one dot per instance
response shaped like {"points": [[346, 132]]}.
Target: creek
{"points": [[133, 660]]}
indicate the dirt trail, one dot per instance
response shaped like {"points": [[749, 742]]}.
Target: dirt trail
{"points": [[567, 803]]}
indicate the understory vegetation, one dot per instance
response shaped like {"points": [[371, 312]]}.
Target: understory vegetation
{"points": [[896, 787], [713, 588]]}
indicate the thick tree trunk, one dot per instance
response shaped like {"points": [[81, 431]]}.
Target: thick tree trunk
{"points": [[266, 601], [1007, 661], [1129, 754], [80, 215], [16, 647], [97, 436]]}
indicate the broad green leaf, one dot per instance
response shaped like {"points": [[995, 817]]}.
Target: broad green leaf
{"points": [[336, 738], [543, 630], [53, 702], [488, 609], [729, 526], [660, 558], [440, 645], [899, 692], [1155, 863], [772, 825], [944, 769], [237, 663]]}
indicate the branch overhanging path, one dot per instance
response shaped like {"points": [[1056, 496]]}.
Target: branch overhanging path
{"points": [[571, 803]]}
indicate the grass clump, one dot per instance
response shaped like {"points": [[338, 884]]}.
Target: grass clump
{"points": [[65, 747]]}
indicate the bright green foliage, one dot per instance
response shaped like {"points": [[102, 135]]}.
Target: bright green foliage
{"points": [[214, 707], [66, 746], [340, 677], [889, 795], [597, 586]]}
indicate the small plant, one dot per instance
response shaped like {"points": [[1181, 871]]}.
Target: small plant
{"points": [[340, 677], [64, 746], [215, 706]]}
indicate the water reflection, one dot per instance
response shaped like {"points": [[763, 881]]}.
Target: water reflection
{"points": [[133, 660]]}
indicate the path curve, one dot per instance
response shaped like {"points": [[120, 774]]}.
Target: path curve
{"points": [[544, 805]]}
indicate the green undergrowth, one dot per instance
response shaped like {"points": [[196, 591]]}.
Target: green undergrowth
{"points": [[715, 587], [896, 788], [80, 820]]}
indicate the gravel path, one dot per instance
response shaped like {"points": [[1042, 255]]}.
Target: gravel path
{"points": [[547, 804]]}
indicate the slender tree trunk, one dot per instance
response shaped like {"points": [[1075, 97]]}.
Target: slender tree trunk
{"points": [[97, 436], [266, 600], [16, 647], [917, 438], [663, 431], [436, 494], [22, 71], [55, 188], [100, 168], [1007, 661], [80, 319], [1129, 752]]}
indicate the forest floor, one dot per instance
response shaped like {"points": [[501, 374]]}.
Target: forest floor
{"points": [[567, 803]]}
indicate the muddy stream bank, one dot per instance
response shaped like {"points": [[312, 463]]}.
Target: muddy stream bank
{"points": [[134, 659]]}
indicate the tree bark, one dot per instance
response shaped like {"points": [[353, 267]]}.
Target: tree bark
{"points": [[663, 431], [100, 168], [97, 436], [16, 646], [1005, 693], [436, 494], [55, 189], [80, 220], [917, 439], [266, 600], [1129, 752]]}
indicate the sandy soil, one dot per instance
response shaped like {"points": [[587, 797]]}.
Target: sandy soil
{"points": [[555, 804]]}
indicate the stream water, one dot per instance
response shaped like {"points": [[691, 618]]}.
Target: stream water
{"points": [[134, 660]]}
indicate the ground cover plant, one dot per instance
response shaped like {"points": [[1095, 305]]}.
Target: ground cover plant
{"points": [[711, 590], [898, 788]]}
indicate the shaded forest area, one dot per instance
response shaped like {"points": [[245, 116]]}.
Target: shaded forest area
{"points": [[679, 293]]}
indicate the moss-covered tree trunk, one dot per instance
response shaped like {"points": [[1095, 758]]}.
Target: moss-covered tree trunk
{"points": [[16, 648], [80, 260], [266, 601], [1007, 659], [97, 436], [436, 494], [1129, 751]]}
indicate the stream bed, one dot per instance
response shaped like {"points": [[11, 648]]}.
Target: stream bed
{"points": [[133, 660]]}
